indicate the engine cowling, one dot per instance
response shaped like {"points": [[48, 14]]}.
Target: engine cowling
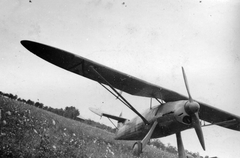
{"points": [[182, 115], [184, 112]]}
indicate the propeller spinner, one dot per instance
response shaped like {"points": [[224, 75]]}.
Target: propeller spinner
{"points": [[192, 108]]}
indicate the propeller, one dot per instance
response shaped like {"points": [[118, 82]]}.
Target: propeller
{"points": [[192, 108]]}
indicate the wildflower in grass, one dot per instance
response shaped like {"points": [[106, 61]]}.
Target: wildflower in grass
{"points": [[35, 131], [4, 122], [53, 121], [9, 113]]}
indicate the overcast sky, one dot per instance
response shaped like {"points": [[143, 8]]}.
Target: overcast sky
{"points": [[150, 40]]}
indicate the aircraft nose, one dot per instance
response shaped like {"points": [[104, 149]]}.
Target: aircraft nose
{"points": [[192, 107]]}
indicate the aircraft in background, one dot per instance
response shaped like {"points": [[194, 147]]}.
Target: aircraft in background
{"points": [[174, 114]]}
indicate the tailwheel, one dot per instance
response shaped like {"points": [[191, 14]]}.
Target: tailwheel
{"points": [[137, 148]]}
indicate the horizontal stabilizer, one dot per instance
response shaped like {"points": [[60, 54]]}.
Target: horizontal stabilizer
{"points": [[100, 113], [80, 117], [96, 111]]}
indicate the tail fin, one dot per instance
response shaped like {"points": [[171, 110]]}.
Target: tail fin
{"points": [[120, 122]]}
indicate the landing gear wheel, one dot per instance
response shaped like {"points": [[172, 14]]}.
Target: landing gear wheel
{"points": [[137, 149]]}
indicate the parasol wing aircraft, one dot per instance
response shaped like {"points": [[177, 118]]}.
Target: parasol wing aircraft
{"points": [[174, 114]]}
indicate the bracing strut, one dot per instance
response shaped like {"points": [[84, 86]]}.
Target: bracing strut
{"points": [[118, 94]]}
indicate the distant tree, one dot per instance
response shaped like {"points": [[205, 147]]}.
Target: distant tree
{"points": [[24, 101], [195, 155], [90, 122], [30, 102], [45, 107], [39, 105], [55, 110], [10, 95], [60, 112], [158, 144], [50, 109], [6, 95], [171, 149], [71, 112], [15, 97]]}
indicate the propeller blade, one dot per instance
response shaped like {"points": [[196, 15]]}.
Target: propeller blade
{"points": [[186, 84], [192, 109], [198, 129], [181, 151]]}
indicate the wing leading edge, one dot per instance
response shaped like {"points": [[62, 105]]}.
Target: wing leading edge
{"points": [[124, 82]]}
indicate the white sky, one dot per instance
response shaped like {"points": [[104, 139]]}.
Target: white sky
{"points": [[150, 40]]}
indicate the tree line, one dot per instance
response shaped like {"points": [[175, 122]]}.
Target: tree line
{"points": [[69, 112]]}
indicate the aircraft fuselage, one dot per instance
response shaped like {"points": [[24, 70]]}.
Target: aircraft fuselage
{"points": [[171, 117]]}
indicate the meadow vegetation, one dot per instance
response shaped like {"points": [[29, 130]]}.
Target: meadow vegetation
{"points": [[27, 131], [35, 131]]}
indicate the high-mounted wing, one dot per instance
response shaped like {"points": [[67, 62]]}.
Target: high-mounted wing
{"points": [[219, 117], [126, 83], [81, 66]]}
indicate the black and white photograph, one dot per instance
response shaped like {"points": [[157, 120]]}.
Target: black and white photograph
{"points": [[120, 79]]}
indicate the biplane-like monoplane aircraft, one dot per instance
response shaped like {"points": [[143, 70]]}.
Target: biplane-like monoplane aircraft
{"points": [[174, 114]]}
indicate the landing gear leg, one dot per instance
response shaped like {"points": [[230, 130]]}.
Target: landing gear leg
{"points": [[138, 146], [181, 151], [137, 149]]}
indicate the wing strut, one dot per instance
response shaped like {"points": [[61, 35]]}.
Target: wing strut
{"points": [[220, 123], [112, 123], [118, 94], [160, 101], [113, 94]]}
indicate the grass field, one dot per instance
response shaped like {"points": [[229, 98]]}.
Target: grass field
{"points": [[27, 131]]}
